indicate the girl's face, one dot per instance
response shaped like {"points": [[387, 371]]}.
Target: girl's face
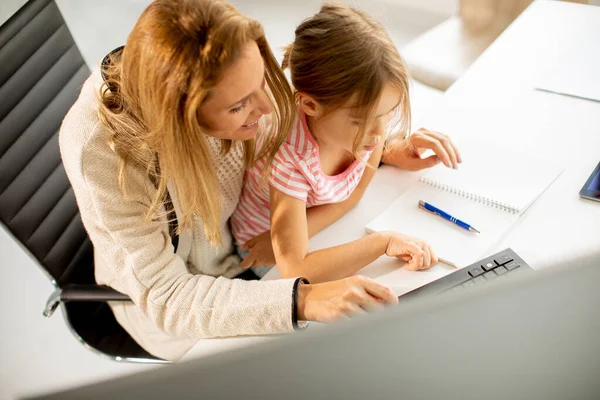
{"points": [[340, 127], [238, 101]]}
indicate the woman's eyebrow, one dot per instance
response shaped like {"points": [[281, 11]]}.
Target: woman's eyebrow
{"points": [[240, 101]]}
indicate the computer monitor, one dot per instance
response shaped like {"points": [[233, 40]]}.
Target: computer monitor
{"points": [[532, 337]]}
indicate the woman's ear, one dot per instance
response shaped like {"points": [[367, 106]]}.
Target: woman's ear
{"points": [[309, 105]]}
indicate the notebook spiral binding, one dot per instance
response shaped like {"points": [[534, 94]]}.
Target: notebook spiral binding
{"points": [[471, 196]]}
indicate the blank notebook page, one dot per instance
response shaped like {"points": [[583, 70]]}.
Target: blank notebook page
{"points": [[491, 188], [497, 174]]}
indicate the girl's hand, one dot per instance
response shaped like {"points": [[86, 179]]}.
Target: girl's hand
{"points": [[406, 153], [261, 252], [416, 252], [342, 299]]}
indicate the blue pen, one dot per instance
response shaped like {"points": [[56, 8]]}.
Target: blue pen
{"points": [[434, 210]]}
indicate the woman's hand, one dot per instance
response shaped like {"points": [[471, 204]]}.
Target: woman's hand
{"points": [[406, 153], [342, 299], [261, 251], [416, 252]]}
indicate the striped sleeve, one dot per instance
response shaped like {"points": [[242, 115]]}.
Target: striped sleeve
{"points": [[287, 176]]}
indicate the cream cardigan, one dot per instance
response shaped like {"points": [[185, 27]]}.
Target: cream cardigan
{"points": [[177, 298]]}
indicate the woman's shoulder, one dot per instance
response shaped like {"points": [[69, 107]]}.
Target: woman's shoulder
{"points": [[81, 132], [82, 120]]}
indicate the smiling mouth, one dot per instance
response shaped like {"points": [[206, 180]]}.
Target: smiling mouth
{"points": [[252, 125]]}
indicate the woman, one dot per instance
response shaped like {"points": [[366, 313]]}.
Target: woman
{"points": [[169, 122]]}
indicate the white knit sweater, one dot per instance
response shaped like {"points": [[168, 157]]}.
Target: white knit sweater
{"points": [[177, 298]]}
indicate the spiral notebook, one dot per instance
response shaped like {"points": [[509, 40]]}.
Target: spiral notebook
{"points": [[490, 190]]}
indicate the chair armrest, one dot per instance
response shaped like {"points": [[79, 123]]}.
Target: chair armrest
{"points": [[74, 292]]}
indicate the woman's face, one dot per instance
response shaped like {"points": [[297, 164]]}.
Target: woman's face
{"points": [[238, 101]]}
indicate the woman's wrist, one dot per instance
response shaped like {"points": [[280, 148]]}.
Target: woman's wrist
{"points": [[301, 289]]}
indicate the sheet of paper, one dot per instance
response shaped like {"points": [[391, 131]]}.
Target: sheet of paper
{"points": [[573, 67]]}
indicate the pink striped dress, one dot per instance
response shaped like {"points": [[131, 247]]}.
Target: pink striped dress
{"points": [[296, 171]]}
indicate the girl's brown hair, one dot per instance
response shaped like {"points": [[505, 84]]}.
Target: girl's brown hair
{"points": [[342, 53], [150, 99]]}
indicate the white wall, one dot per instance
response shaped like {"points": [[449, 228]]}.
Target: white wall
{"points": [[443, 7], [100, 26], [8, 8]]}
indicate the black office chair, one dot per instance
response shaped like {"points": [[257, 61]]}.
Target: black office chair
{"points": [[41, 74]]}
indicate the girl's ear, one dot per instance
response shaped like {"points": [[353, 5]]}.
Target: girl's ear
{"points": [[309, 105]]}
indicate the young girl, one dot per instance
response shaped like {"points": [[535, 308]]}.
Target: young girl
{"points": [[351, 85]]}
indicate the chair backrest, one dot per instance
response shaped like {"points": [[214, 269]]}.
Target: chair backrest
{"points": [[41, 75]]}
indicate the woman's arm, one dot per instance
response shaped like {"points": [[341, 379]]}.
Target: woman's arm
{"points": [[138, 258]]}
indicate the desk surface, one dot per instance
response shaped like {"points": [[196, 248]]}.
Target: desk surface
{"points": [[496, 100]]}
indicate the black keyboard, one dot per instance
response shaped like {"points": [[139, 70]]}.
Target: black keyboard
{"points": [[501, 264]]}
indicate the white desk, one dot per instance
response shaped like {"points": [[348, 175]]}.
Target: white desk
{"points": [[495, 100]]}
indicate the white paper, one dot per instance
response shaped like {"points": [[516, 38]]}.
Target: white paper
{"points": [[573, 68]]}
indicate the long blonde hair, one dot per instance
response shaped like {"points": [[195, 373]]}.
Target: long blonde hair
{"points": [[341, 52], [175, 54]]}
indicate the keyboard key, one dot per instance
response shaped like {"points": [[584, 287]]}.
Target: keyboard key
{"points": [[476, 271], [489, 266], [512, 265], [490, 275], [503, 259], [500, 270], [478, 280]]}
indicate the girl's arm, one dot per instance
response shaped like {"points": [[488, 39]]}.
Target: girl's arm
{"points": [[289, 234], [290, 230], [320, 217]]}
